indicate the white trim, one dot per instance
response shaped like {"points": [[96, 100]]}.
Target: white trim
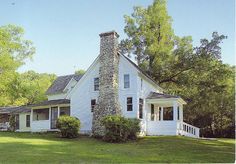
{"points": [[68, 84], [166, 100]]}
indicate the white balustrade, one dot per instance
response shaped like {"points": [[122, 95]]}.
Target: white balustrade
{"points": [[188, 130]]}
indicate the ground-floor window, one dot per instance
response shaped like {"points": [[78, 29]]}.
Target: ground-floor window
{"points": [[41, 114], [65, 110], [129, 104], [178, 113], [168, 113], [27, 120], [159, 113], [140, 108], [93, 103]]}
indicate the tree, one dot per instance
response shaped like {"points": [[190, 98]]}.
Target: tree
{"points": [[80, 72], [30, 87], [14, 50], [150, 35]]}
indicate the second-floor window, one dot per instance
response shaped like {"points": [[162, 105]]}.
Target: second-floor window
{"points": [[129, 104], [93, 103], [126, 81], [96, 84]]}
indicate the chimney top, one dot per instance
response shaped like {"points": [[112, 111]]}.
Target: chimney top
{"points": [[109, 33]]}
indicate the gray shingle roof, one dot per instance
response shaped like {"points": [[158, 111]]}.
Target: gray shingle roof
{"points": [[60, 83], [52, 102], [155, 95], [14, 109]]}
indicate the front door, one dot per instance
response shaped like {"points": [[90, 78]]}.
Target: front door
{"points": [[54, 116]]}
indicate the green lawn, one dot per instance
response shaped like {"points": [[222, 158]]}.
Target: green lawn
{"points": [[49, 148]]}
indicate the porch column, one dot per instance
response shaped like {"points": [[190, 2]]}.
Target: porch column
{"points": [[58, 111], [50, 117], [181, 112], [162, 113], [175, 108]]}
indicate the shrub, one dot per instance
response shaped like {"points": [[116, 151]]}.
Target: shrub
{"points": [[120, 129], [134, 128], [68, 126]]}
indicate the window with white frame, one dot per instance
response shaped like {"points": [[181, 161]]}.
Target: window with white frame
{"points": [[129, 104], [126, 81], [178, 113], [41, 114], [27, 120], [65, 110], [93, 103], [96, 84], [168, 113]]}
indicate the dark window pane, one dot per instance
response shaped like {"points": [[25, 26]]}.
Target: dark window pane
{"points": [[168, 113], [129, 107], [152, 112], [93, 103], [65, 111], [27, 120], [96, 84], [129, 104], [126, 81], [129, 100], [41, 114]]}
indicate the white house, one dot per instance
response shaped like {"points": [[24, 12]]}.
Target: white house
{"points": [[138, 96]]}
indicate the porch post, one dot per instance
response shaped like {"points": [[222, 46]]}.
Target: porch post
{"points": [[58, 111], [181, 112], [50, 117], [175, 108], [162, 113]]}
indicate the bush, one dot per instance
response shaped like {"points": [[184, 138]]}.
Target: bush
{"points": [[120, 129], [68, 126]]}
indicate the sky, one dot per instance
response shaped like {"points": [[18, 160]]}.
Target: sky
{"points": [[66, 32]]}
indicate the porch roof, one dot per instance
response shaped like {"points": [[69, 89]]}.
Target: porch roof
{"points": [[162, 97], [52, 102], [14, 109]]}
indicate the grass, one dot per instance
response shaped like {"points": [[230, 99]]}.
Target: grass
{"points": [[49, 148]]}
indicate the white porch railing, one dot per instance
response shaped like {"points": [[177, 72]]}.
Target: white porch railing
{"points": [[4, 126], [187, 130]]}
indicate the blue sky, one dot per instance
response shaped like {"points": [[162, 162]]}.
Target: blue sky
{"points": [[66, 32]]}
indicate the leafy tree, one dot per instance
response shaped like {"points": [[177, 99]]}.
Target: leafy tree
{"points": [[14, 50], [30, 87], [80, 72]]}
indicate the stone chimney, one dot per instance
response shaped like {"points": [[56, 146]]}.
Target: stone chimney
{"points": [[108, 103]]}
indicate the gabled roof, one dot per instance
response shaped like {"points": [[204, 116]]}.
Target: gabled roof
{"points": [[60, 83]]}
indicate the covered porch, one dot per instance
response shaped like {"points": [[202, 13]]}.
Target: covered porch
{"points": [[164, 116], [44, 115]]}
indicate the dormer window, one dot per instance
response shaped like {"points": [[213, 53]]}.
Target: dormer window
{"points": [[126, 81], [96, 84]]}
